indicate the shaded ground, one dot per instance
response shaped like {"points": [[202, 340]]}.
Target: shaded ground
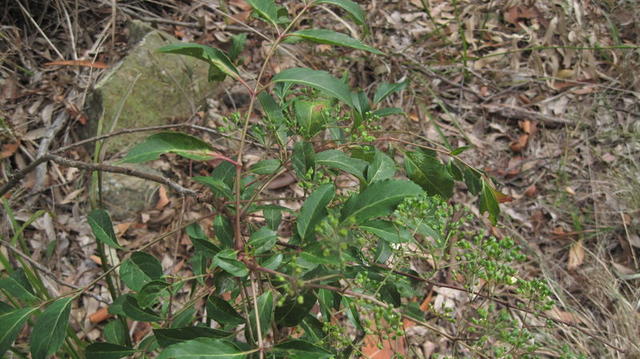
{"points": [[547, 94]]}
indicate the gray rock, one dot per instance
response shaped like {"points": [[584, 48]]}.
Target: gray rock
{"points": [[146, 88]]}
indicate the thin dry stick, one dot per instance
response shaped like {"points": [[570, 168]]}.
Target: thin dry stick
{"points": [[26, 13], [254, 294], [124, 170]]}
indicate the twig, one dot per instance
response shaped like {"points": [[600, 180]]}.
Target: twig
{"points": [[46, 38], [52, 131], [115, 169]]}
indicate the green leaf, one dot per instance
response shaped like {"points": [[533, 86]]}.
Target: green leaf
{"points": [[299, 349], [292, 311], [489, 202], [388, 111], [226, 259], [210, 55], [132, 309], [303, 158], [166, 337], [102, 227], [107, 351], [140, 269], [265, 313], [472, 179], [459, 150], [18, 286], [217, 186], [381, 168], [385, 89], [351, 7], [5, 308], [426, 170], [383, 251], [170, 142], [222, 312], [115, 332], [150, 292], [272, 215], [194, 230], [265, 167], [223, 230], [11, 324], [324, 36], [50, 329], [386, 230], [267, 9], [272, 262], [379, 199], [271, 108], [225, 172], [339, 160], [202, 348], [184, 318], [237, 45], [320, 80], [310, 116], [263, 239], [314, 210]]}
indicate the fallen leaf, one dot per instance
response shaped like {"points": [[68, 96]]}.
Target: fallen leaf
{"points": [[9, 149], [576, 256], [163, 199], [71, 196], [558, 314], [531, 191], [622, 270], [565, 74], [520, 144]]}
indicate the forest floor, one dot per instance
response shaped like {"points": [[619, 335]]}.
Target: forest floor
{"points": [[547, 94]]}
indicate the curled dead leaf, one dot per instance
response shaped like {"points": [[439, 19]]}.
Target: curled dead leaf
{"points": [[163, 199], [520, 144]]}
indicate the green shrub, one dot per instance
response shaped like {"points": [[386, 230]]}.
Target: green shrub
{"points": [[309, 283]]}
